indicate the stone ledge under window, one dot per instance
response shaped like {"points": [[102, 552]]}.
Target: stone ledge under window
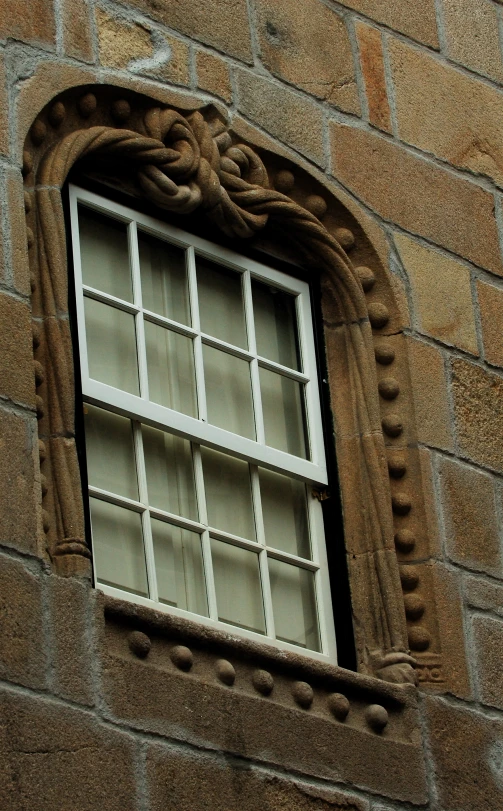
{"points": [[181, 680]]}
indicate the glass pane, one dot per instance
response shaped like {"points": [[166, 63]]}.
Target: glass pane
{"points": [[164, 284], [118, 547], [179, 567], [110, 452], [221, 302], [294, 604], [228, 392], [111, 346], [228, 493], [237, 586], [283, 409], [284, 510], [170, 363], [275, 325], [104, 254], [170, 473]]}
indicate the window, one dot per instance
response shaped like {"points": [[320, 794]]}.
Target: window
{"points": [[203, 429]]}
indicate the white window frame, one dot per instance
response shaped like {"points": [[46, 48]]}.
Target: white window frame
{"points": [[141, 410]]}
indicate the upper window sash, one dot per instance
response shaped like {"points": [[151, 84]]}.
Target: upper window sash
{"points": [[139, 406]]}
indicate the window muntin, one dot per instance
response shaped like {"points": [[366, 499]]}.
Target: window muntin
{"points": [[221, 363]]}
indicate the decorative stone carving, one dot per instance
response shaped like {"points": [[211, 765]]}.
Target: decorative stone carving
{"points": [[183, 162]]}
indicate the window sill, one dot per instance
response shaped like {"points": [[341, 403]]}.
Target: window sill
{"points": [[172, 677]]}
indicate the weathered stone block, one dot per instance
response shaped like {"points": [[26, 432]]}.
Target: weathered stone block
{"points": [[18, 234], [56, 758], [478, 406], [491, 313], [4, 111], [77, 37], [180, 780], [441, 290], [448, 608], [484, 594], [429, 393], [28, 20], [416, 21], [293, 119], [222, 24], [372, 66], [307, 44], [72, 656], [443, 111], [213, 75], [488, 636], [257, 716], [426, 200], [475, 45], [471, 528], [466, 750], [18, 526], [17, 381], [141, 50], [22, 654]]}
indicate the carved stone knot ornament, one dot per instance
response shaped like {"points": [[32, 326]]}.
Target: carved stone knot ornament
{"points": [[183, 162]]}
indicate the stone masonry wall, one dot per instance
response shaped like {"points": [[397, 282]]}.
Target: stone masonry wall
{"points": [[401, 105]]}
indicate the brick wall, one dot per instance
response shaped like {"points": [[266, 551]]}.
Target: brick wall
{"points": [[401, 105]]}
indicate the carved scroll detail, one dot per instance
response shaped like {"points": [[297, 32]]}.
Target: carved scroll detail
{"points": [[184, 162]]}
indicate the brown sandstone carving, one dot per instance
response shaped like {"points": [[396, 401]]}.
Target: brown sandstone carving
{"points": [[183, 162]]}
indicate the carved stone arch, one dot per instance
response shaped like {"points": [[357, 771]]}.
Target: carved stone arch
{"points": [[186, 161]]}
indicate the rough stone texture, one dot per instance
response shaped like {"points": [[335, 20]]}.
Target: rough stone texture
{"points": [[484, 594], [488, 638], [307, 44], [220, 23], [73, 657], [478, 405], [124, 44], [490, 300], [56, 758], [451, 212], [293, 119], [450, 622], [194, 708], [180, 779], [18, 525], [417, 21], [433, 425], [443, 111], [4, 110], [471, 31], [466, 748], [18, 245], [471, 527], [28, 20], [22, 655], [372, 65], [120, 41], [213, 75], [77, 37], [17, 381], [441, 290]]}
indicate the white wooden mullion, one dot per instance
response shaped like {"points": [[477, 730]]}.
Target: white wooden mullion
{"points": [[174, 326], [114, 498], [324, 608], [254, 370], [205, 536], [158, 416], [145, 517], [141, 352], [197, 343], [106, 298], [271, 366], [216, 343], [263, 564]]}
